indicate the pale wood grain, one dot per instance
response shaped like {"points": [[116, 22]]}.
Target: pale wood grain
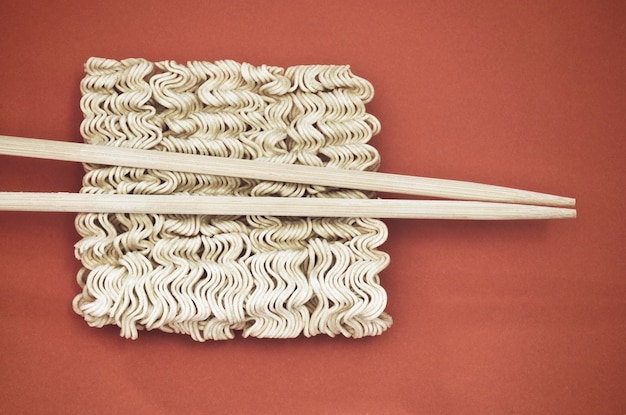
{"points": [[380, 182], [276, 206]]}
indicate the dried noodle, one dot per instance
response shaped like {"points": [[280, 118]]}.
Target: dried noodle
{"points": [[210, 276]]}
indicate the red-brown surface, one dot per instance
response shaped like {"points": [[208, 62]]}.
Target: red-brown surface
{"points": [[489, 317]]}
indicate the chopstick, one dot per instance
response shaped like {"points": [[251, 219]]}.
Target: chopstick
{"points": [[254, 169], [276, 206]]}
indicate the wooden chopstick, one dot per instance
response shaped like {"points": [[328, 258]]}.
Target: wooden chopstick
{"points": [[275, 206], [221, 166]]}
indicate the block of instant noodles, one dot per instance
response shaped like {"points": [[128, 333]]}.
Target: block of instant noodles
{"points": [[213, 276]]}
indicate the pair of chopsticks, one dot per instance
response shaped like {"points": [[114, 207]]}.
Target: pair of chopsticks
{"points": [[471, 200]]}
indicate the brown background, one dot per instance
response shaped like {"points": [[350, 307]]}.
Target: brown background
{"points": [[489, 317]]}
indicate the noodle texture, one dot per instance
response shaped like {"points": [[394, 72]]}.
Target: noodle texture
{"points": [[211, 276]]}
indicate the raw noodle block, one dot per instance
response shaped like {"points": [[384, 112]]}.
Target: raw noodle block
{"points": [[211, 276]]}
